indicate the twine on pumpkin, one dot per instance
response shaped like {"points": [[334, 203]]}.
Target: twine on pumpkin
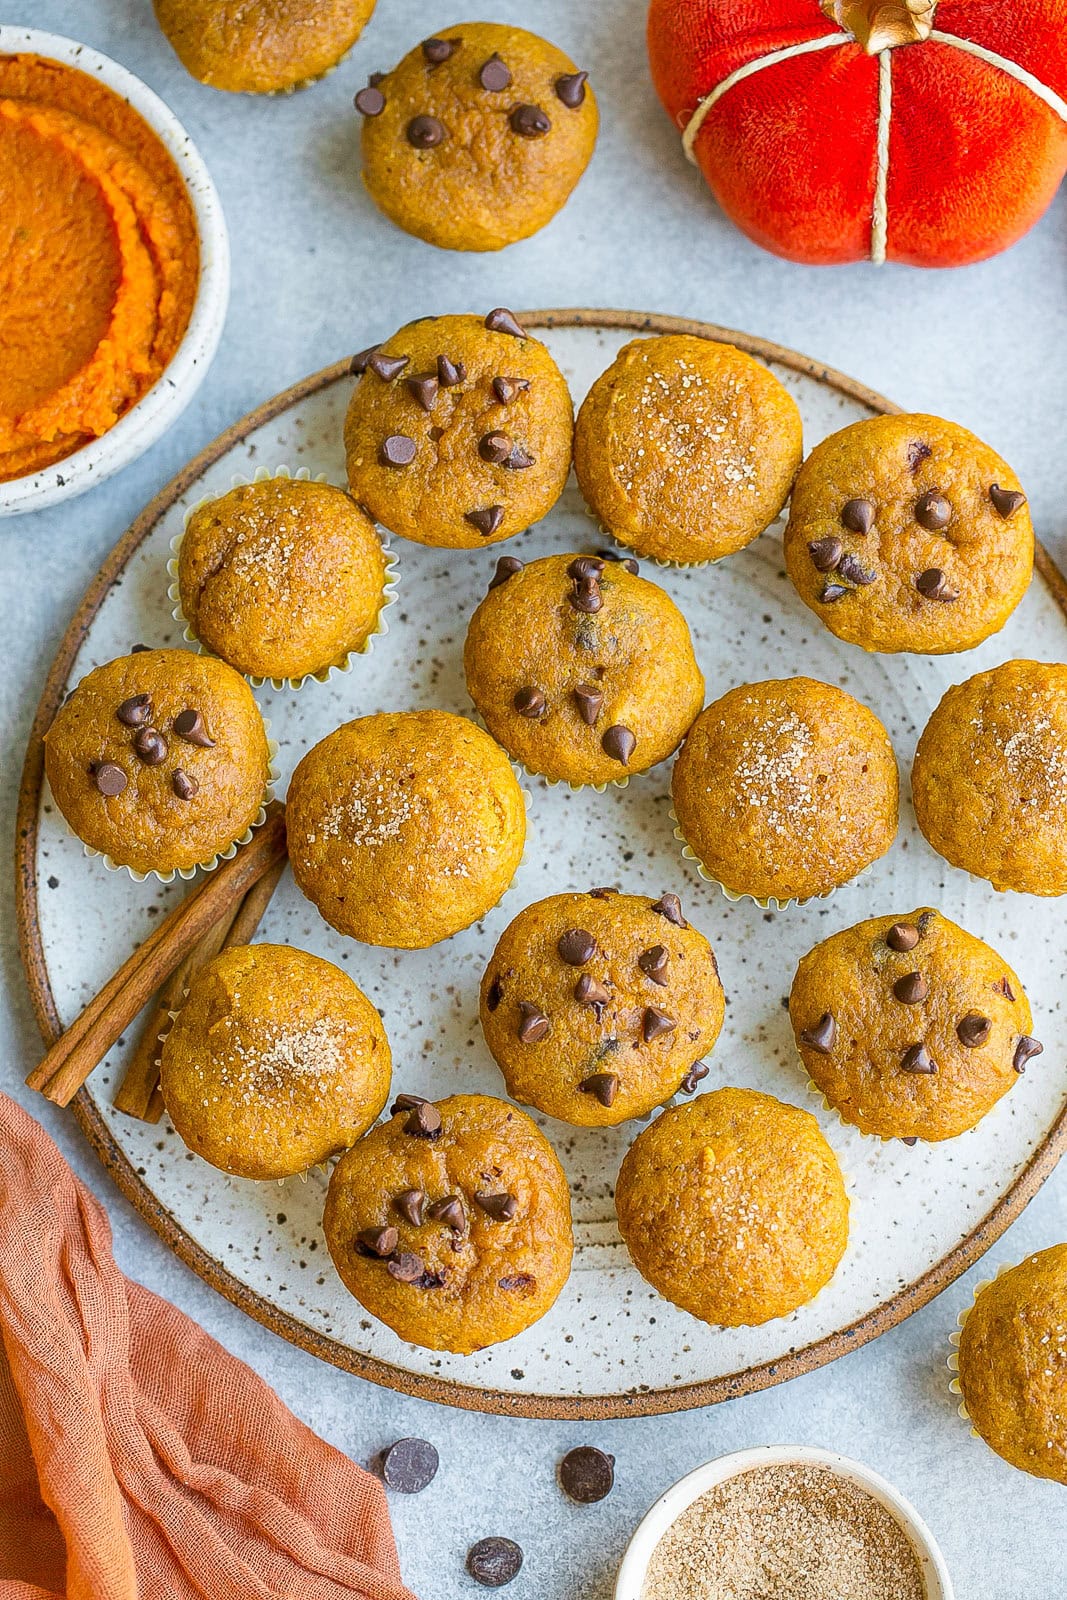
{"points": [[879, 208]]}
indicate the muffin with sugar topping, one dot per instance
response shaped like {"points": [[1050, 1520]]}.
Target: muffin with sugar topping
{"points": [[276, 1061], [785, 790], [685, 449]]}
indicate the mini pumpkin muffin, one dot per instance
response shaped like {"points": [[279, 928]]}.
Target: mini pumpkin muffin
{"points": [[598, 1006], [261, 46], [477, 137], [458, 433], [159, 760], [786, 789], [583, 670], [1013, 1364], [452, 1222], [405, 827], [733, 1206], [912, 1028], [282, 578], [685, 449], [989, 779], [908, 533], [274, 1062]]}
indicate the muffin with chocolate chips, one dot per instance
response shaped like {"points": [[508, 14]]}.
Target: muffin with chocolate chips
{"points": [[685, 449], [452, 1222], [989, 780], [911, 1027], [908, 533], [598, 1007], [477, 137], [583, 670], [785, 790], [405, 827], [458, 433], [283, 578], [276, 1061], [259, 46], [159, 760], [733, 1207]]}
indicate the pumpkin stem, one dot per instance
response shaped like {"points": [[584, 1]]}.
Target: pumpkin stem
{"points": [[882, 24]]}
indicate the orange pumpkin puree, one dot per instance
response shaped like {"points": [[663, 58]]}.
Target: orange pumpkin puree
{"points": [[99, 261]]}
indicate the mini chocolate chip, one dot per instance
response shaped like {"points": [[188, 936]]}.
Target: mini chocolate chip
{"points": [[397, 451], [918, 452], [423, 1121], [386, 367], [654, 1024], [902, 936], [501, 1207], [380, 1242], [697, 1072], [405, 1267], [911, 1140], [858, 516], [576, 947], [603, 1086], [823, 1036], [654, 964], [151, 747], [586, 596], [506, 567], [917, 1058], [533, 1024], [602, 893], [669, 906], [1024, 1050], [495, 447], [519, 459], [487, 520], [411, 1203], [494, 1562], [424, 390], [358, 364], [409, 1464], [832, 592], [430, 1280], [585, 567], [529, 122], [501, 320], [973, 1030], [370, 102], [425, 132], [1005, 988], [518, 1280], [134, 711], [932, 511], [494, 995], [626, 562], [589, 700], [1006, 502], [825, 554], [185, 787], [189, 725], [494, 74], [438, 50], [450, 1211], [405, 1102], [449, 373], [619, 743], [509, 389], [852, 568], [570, 88], [109, 779], [934, 584], [589, 991], [587, 1474], [529, 702], [911, 989]]}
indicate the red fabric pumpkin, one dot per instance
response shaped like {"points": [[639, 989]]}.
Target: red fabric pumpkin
{"points": [[926, 131]]}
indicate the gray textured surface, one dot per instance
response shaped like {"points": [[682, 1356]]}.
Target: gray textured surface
{"points": [[318, 273]]}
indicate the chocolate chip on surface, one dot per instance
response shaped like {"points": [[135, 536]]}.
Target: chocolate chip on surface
{"points": [[369, 102], [576, 947], [449, 373], [902, 937], [358, 364], [184, 786], [405, 1267], [409, 1465], [858, 516], [825, 554], [411, 1203], [669, 906], [1024, 1051], [1005, 988], [918, 452], [379, 1242], [1006, 502], [530, 122], [189, 725], [917, 1058], [509, 389], [619, 743], [626, 562], [570, 89], [494, 74], [932, 511], [487, 520], [603, 1086], [495, 447], [110, 779], [832, 592], [934, 584], [519, 458], [451, 1211], [501, 1207], [655, 963], [852, 568], [533, 1024], [438, 50], [501, 320], [529, 702], [696, 1074], [587, 1474], [150, 747], [494, 1562], [973, 1030], [425, 132], [655, 1023], [404, 1102], [911, 989], [424, 1121], [585, 567], [589, 701], [134, 711], [586, 596], [589, 991], [397, 451], [423, 389], [506, 567], [823, 1036], [386, 367]]}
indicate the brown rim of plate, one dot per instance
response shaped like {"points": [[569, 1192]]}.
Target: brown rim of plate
{"points": [[578, 1408]]}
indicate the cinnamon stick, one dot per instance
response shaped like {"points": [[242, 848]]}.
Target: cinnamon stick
{"points": [[69, 1062]]}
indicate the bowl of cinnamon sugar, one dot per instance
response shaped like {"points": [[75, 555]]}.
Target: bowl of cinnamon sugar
{"points": [[783, 1523]]}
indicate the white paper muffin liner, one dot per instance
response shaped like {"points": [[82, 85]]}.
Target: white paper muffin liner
{"points": [[390, 583], [953, 1359], [771, 902]]}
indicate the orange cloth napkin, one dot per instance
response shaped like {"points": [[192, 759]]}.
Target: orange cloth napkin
{"points": [[138, 1460]]}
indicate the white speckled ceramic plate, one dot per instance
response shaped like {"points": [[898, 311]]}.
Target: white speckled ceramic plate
{"points": [[610, 1346]]}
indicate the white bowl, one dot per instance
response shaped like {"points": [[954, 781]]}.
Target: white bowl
{"points": [[669, 1507], [154, 413]]}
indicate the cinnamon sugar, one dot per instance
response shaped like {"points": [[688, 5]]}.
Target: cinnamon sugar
{"points": [[786, 1532]]}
